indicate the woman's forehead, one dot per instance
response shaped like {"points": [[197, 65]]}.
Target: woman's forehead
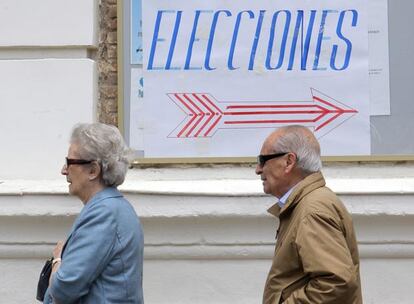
{"points": [[73, 149]]}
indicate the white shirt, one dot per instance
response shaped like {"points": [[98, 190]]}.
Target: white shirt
{"points": [[283, 199]]}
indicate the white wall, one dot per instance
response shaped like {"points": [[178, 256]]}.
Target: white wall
{"points": [[208, 238], [51, 23], [48, 82]]}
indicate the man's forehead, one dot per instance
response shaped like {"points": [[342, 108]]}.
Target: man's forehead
{"points": [[269, 143], [273, 137]]}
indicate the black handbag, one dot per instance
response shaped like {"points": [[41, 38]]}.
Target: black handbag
{"points": [[43, 283]]}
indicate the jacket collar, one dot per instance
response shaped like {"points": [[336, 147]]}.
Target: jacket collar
{"points": [[305, 186], [105, 193]]}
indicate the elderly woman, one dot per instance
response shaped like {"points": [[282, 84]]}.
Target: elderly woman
{"points": [[101, 260]]}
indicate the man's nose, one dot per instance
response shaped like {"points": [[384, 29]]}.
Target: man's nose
{"points": [[64, 170], [259, 169]]}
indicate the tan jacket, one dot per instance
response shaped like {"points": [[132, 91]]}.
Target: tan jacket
{"points": [[316, 257]]}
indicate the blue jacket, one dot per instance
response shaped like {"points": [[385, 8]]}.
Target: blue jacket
{"points": [[102, 259]]}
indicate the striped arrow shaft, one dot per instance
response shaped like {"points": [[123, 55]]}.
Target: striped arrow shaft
{"points": [[204, 114]]}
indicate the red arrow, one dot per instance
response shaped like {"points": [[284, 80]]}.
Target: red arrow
{"points": [[205, 115]]}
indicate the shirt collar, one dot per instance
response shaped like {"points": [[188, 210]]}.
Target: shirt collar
{"points": [[283, 199]]}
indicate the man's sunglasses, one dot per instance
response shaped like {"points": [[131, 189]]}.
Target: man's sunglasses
{"points": [[73, 161], [262, 159]]}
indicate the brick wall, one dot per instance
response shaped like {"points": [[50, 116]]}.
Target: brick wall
{"points": [[107, 63]]}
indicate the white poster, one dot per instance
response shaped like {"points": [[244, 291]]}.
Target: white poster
{"points": [[221, 75], [379, 78], [136, 32], [136, 111]]}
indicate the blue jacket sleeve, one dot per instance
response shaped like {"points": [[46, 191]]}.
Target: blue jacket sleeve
{"points": [[87, 253], [47, 299]]}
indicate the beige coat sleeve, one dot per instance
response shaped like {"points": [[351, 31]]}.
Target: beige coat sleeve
{"points": [[327, 261]]}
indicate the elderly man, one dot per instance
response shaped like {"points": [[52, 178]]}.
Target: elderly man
{"points": [[316, 257]]}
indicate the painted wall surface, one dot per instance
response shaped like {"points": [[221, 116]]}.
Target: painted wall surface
{"points": [[40, 101], [208, 237], [48, 82], [48, 23]]}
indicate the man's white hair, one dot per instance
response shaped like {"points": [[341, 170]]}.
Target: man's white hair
{"points": [[301, 141]]}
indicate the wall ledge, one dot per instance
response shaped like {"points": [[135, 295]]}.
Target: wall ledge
{"points": [[240, 198], [213, 187], [209, 251]]}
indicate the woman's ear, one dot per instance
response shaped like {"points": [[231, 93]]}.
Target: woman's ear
{"points": [[94, 170]]}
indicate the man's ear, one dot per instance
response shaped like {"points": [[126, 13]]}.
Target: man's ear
{"points": [[94, 170], [291, 161]]}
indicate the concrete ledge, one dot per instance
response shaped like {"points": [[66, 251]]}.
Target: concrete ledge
{"points": [[210, 251], [214, 187], [192, 198]]}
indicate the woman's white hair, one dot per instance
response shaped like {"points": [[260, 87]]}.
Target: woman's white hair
{"points": [[301, 141], [105, 144]]}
